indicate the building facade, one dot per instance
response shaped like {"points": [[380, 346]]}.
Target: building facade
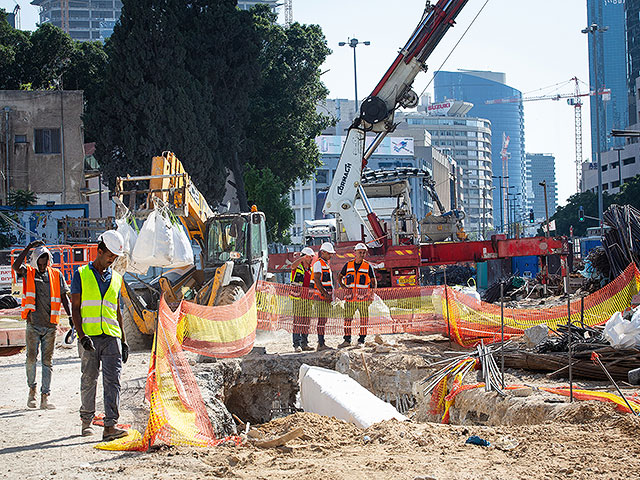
{"points": [[507, 122], [619, 164], [42, 144], [541, 167], [468, 141], [611, 60], [88, 20], [247, 4], [632, 21]]}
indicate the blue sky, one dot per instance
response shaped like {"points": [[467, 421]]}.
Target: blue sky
{"points": [[537, 44]]}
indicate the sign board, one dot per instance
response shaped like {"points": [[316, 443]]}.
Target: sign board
{"points": [[40, 222], [441, 108], [390, 146], [5, 275]]}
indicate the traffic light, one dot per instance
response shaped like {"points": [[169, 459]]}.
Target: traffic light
{"points": [[531, 217], [581, 214]]}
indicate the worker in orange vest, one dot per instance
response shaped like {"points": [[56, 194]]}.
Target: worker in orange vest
{"points": [[301, 283], [44, 291], [323, 290], [358, 279]]}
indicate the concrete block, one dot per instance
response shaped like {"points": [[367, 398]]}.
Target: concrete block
{"points": [[536, 335]]}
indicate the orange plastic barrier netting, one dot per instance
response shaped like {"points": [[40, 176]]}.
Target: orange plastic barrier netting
{"points": [[424, 310], [471, 320], [178, 415]]}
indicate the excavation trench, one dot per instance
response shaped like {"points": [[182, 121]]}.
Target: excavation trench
{"points": [[260, 387]]}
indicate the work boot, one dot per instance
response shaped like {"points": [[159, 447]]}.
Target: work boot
{"points": [[87, 429], [111, 433], [31, 401], [45, 404], [297, 349], [344, 344], [307, 348], [322, 347]]}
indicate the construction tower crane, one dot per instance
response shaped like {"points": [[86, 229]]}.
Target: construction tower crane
{"points": [[288, 12], [64, 15], [573, 99]]}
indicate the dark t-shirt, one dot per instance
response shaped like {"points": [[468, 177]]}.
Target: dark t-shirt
{"points": [[343, 272]]}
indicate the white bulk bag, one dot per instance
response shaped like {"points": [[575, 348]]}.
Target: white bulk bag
{"points": [[182, 249]]}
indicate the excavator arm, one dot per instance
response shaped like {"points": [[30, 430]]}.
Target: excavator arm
{"points": [[376, 115]]}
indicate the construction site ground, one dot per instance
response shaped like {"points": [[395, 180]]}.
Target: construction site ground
{"points": [[583, 440]]}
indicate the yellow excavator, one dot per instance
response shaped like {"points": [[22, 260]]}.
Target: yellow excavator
{"points": [[233, 248]]}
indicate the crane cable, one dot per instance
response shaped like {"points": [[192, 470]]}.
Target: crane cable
{"points": [[455, 46]]}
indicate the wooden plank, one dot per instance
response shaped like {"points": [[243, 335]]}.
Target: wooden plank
{"points": [[281, 440]]}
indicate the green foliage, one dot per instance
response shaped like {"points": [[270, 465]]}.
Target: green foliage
{"points": [[178, 79], [49, 58], [268, 192], [20, 199], [284, 121]]}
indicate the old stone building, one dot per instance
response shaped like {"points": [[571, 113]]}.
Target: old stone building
{"points": [[42, 145]]}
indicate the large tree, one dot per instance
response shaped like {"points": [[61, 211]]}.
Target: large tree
{"points": [[178, 79]]}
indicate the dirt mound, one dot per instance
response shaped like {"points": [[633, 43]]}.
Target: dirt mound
{"points": [[582, 412], [328, 431]]}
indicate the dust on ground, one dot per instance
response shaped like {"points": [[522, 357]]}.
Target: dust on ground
{"points": [[589, 440]]}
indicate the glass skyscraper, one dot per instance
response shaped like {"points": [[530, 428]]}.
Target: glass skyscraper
{"points": [[611, 57], [507, 120], [632, 12]]}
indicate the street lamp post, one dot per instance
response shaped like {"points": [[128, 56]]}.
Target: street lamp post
{"points": [[619, 149], [353, 43], [593, 29], [543, 184], [501, 200]]}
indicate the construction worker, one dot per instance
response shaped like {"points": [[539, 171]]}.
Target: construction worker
{"points": [[101, 340], [301, 280], [44, 291], [358, 278], [323, 290]]}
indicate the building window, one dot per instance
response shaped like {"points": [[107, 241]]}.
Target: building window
{"points": [[20, 139], [605, 186], [615, 184], [629, 161], [47, 140], [322, 176], [604, 168], [306, 196]]}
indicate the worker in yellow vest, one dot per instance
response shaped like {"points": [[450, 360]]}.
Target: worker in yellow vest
{"points": [[95, 292], [301, 284], [358, 278], [323, 290], [44, 292]]}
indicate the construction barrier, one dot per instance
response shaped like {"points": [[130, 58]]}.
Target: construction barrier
{"points": [[429, 309], [178, 415]]}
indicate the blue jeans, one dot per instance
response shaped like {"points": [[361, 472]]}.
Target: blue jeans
{"points": [[44, 338], [108, 352]]}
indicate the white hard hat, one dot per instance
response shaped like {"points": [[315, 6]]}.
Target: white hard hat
{"points": [[113, 241], [327, 247], [307, 251], [360, 246]]}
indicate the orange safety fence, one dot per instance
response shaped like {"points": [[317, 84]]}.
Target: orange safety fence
{"points": [[66, 258], [428, 309], [178, 415]]}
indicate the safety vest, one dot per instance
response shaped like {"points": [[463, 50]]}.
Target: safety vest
{"points": [[29, 293], [358, 282], [297, 281], [99, 315], [325, 278]]}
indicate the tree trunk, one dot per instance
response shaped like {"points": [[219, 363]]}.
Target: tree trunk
{"points": [[239, 183]]}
